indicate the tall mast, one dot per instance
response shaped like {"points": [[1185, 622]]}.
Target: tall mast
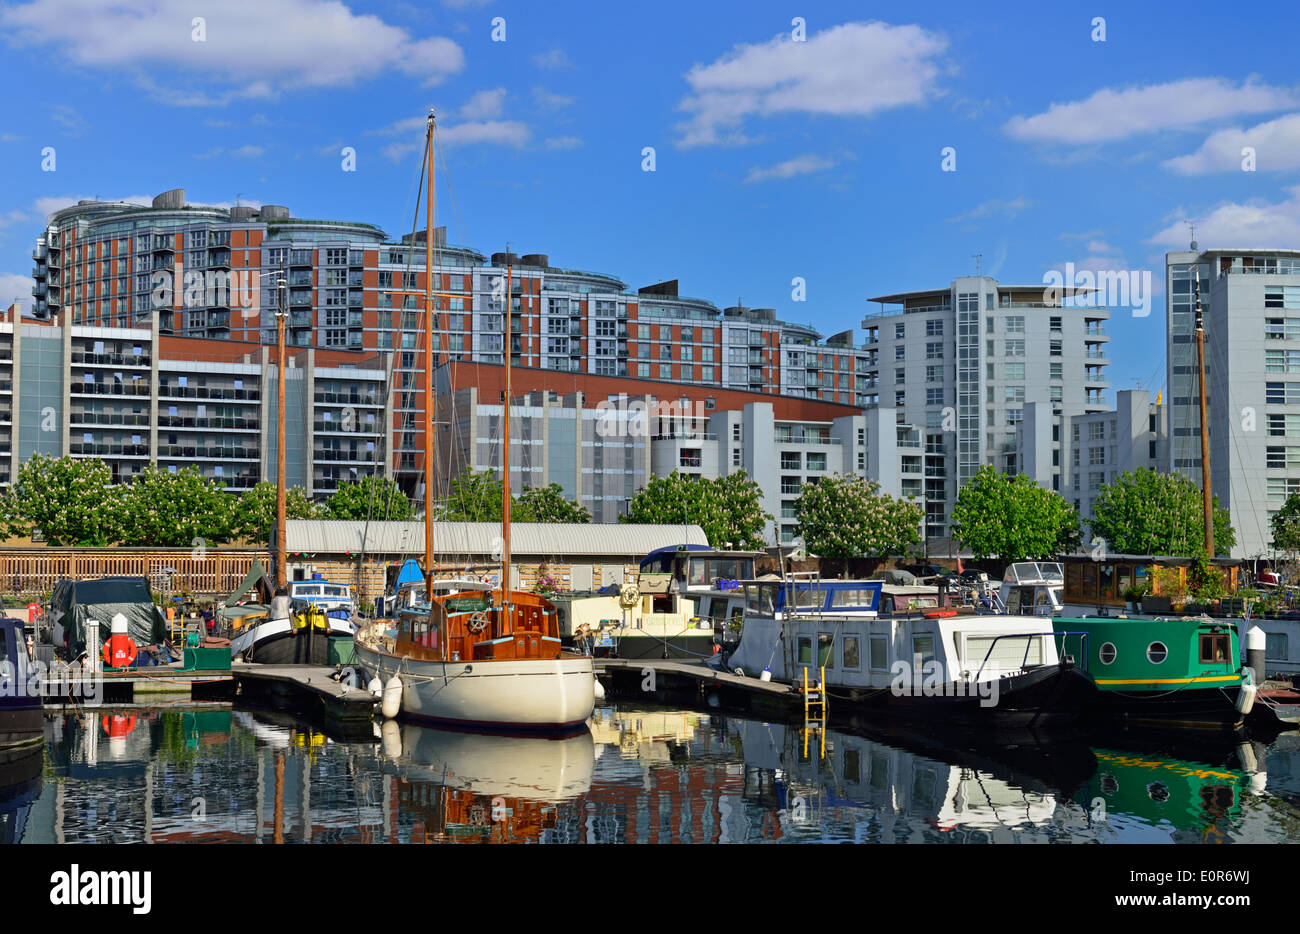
{"points": [[428, 364], [505, 450], [1207, 499]]}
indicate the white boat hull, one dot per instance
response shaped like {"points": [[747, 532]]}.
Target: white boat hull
{"points": [[527, 694]]}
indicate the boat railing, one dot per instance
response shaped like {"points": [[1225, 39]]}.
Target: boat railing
{"points": [[1028, 637]]}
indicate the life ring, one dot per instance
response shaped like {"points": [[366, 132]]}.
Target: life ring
{"points": [[939, 614], [119, 651]]}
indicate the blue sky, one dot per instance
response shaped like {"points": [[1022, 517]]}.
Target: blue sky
{"points": [[774, 158]]}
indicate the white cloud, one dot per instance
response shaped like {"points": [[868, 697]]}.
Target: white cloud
{"points": [[48, 205], [257, 47], [1111, 114], [552, 60], [549, 101], [1010, 208], [498, 132], [563, 142], [800, 165], [853, 70], [243, 152], [1253, 224], [15, 287], [485, 105], [1276, 144]]}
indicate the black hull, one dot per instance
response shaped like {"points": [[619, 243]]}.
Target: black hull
{"points": [[1046, 696], [1198, 709], [21, 726], [288, 648]]}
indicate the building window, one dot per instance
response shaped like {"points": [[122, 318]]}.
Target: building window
{"points": [[934, 327], [934, 350], [900, 330]]}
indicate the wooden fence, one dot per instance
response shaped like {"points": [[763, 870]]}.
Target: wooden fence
{"points": [[33, 571]]}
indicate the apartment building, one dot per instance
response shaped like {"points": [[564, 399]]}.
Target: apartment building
{"points": [[958, 367], [132, 397], [1251, 304]]}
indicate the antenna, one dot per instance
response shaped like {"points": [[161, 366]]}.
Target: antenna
{"points": [[979, 265], [1192, 227]]}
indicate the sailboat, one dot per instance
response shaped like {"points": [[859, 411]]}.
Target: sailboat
{"points": [[488, 658]]}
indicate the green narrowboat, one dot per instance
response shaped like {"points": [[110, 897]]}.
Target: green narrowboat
{"points": [[1183, 672]]}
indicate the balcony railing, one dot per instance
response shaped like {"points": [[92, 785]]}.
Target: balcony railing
{"points": [[111, 359], [328, 454], [215, 452], [226, 422], [125, 419], [207, 392], [103, 389]]}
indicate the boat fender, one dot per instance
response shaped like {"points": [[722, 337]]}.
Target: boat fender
{"points": [[739, 671], [766, 675], [392, 704], [600, 689], [391, 735], [376, 687], [1246, 698]]}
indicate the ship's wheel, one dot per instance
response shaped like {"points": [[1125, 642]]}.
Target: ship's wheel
{"points": [[478, 622]]}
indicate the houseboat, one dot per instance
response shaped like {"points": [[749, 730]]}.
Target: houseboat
{"points": [[928, 664], [21, 724]]}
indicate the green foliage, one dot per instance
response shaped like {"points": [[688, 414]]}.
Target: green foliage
{"points": [[846, 517], [1012, 518], [474, 497], [1148, 513], [547, 504], [70, 500], [372, 497], [174, 509], [254, 511], [1286, 525], [728, 510], [1206, 581]]}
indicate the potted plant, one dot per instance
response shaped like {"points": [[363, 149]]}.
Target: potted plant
{"points": [[1133, 596]]}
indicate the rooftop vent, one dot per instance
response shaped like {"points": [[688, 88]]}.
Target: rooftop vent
{"points": [[536, 259], [274, 212]]}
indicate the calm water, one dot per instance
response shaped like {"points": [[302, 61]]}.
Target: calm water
{"points": [[642, 775]]}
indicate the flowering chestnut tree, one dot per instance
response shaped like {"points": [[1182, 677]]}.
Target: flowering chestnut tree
{"points": [[174, 509], [70, 501], [848, 517]]}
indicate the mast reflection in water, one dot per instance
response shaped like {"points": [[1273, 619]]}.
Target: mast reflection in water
{"points": [[637, 775]]}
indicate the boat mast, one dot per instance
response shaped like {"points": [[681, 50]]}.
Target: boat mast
{"points": [[428, 364], [1206, 497], [505, 449]]}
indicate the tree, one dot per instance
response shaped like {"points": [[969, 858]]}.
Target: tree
{"points": [[848, 517], [1286, 525], [1013, 518], [1149, 513], [728, 510], [372, 497], [174, 509], [71, 501], [742, 504], [474, 497], [547, 504], [254, 511]]}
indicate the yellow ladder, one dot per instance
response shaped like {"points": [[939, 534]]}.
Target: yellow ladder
{"points": [[814, 712]]}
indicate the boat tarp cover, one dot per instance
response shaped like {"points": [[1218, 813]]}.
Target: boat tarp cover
{"points": [[256, 575], [75, 602], [411, 573]]}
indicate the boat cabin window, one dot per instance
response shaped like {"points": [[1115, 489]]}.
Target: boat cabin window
{"points": [[808, 598], [420, 631], [922, 649], [335, 590], [760, 598], [879, 653], [1276, 647], [851, 659], [805, 650], [707, 570], [853, 597], [826, 649], [1217, 646], [661, 603]]}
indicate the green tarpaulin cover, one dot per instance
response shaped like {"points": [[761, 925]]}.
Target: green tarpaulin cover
{"points": [[75, 602]]}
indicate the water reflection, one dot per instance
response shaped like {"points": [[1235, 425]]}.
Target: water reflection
{"points": [[638, 775]]}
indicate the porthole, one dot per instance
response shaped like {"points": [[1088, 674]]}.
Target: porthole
{"points": [[1106, 655], [1157, 653]]}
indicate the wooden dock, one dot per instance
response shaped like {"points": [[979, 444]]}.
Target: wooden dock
{"points": [[308, 688], [78, 687], [675, 681]]}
